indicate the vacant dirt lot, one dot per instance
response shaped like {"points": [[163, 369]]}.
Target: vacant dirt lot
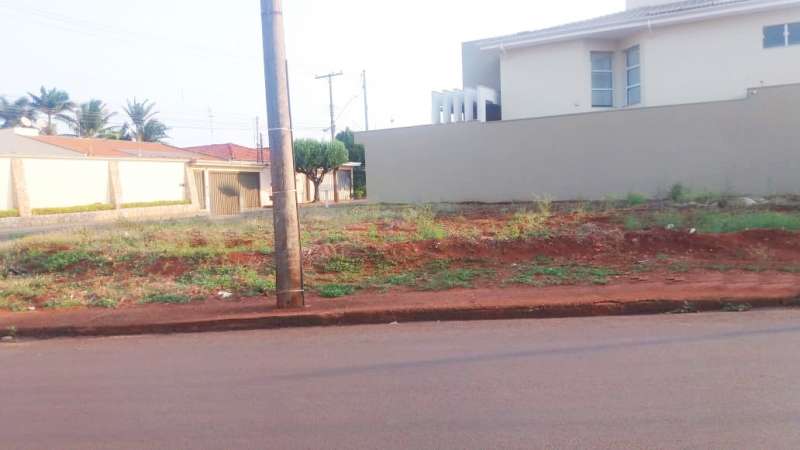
{"points": [[397, 249]]}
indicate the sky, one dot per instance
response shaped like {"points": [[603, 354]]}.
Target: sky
{"points": [[201, 61]]}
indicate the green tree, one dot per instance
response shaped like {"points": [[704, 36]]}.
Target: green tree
{"points": [[356, 153], [91, 119], [316, 159], [144, 127], [12, 113], [53, 103]]}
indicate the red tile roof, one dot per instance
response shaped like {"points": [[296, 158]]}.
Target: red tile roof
{"points": [[230, 152], [120, 149]]}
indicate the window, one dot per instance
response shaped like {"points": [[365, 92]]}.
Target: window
{"points": [[633, 72], [782, 35], [602, 79]]}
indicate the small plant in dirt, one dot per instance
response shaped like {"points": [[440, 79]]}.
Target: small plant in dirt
{"points": [[539, 275], [63, 303], [633, 223], [241, 279], [425, 221], [13, 305], [335, 237], [635, 199], [60, 261], [336, 290], [104, 303], [525, 224], [342, 264], [166, 299], [451, 279]]}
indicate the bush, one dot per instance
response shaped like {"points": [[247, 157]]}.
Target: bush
{"points": [[678, 193], [635, 199]]}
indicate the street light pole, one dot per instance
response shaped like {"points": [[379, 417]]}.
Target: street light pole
{"points": [[288, 257], [330, 77]]}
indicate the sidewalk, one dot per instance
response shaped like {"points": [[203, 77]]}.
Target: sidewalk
{"points": [[712, 293]]}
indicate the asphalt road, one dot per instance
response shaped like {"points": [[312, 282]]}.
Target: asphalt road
{"points": [[715, 381]]}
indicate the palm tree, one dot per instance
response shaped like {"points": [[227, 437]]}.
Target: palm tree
{"points": [[91, 119], [52, 103], [144, 126], [11, 114]]}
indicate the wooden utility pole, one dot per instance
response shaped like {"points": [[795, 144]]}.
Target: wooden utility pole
{"points": [[330, 77], [288, 258], [366, 105]]}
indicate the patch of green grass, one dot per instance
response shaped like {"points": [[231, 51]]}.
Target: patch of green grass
{"points": [[633, 223], [336, 290], [736, 222], [403, 279], [679, 267], [525, 224], [342, 264], [335, 237], [104, 303], [9, 213], [13, 305], [59, 261], [63, 303], [240, 279], [72, 209], [155, 204], [720, 267], [425, 221], [166, 299], [451, 279], [538, 275]]}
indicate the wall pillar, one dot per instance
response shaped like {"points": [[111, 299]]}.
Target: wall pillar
{"points": [[191, 187], [115, 185], [19, 189]]}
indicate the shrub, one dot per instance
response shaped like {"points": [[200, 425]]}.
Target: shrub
{"points": [[635, 199], [678, 193]]}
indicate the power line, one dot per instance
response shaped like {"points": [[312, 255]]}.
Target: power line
{"points": [[330, 78]]}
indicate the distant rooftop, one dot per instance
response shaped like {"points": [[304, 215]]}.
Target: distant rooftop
{"points": [[120, 149], [230, 152]]}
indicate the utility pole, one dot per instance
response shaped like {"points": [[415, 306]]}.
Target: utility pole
{"points": [[366, 105], [330, 77], [288, 258]]}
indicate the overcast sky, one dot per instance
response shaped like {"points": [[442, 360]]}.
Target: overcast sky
{"points": [[201, 58]]}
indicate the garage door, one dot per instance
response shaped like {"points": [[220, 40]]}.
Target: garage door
{"points": [[233, 192]]}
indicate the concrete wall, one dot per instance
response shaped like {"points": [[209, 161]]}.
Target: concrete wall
{"points": [[6, 193], [56, 183], [697, 62], [747, 146], [146, 181]]}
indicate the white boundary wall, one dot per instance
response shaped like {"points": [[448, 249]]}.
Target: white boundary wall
{"points": [[58, 183], [6, 192], [148, 181], [749, 146]]}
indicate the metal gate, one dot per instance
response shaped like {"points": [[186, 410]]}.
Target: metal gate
{"points": [[233, 192]]}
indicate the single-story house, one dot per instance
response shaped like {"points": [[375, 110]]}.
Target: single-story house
{"points": [[55, 173], [655, 53], [335, 187]]}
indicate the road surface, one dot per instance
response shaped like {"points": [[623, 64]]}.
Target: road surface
{"points": [[714, 381]]}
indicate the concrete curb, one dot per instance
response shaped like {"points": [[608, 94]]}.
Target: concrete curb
{"points": [[326, 319]]}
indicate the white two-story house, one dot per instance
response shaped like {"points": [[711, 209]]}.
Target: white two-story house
{"points": [[657, 52]]}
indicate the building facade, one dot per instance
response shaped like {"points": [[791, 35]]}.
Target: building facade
{"points": [[655, 53]]}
